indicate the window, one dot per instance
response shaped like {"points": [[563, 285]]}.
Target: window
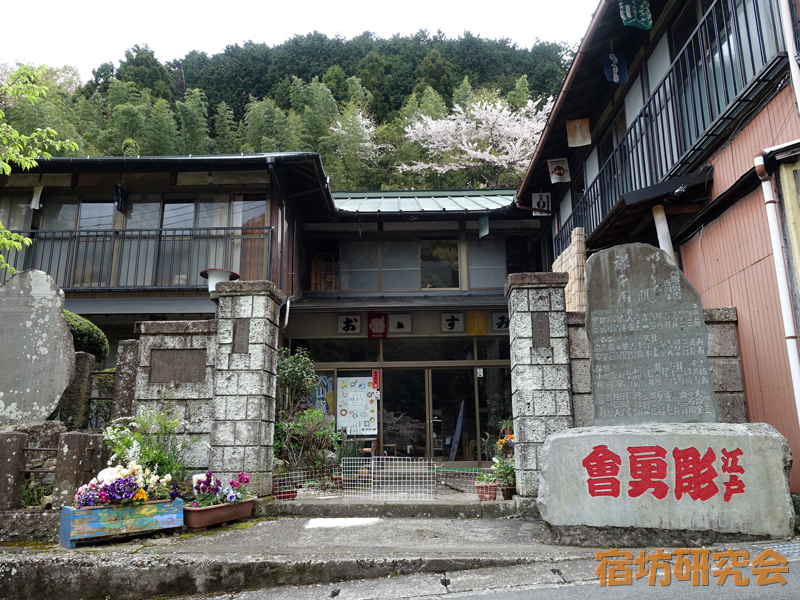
{"points": [[439, 263], [487, 262], [359, 265]]}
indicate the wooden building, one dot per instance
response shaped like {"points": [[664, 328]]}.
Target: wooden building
{"points": [[670, 161]]}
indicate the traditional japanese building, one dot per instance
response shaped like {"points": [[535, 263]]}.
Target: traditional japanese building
{"points": [[396, 295], [681, 129]]}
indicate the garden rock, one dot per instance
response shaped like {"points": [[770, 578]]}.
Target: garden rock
{"points": [[40, 363]]}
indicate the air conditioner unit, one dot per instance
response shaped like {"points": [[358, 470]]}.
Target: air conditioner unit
{"points": [[540, 201]]}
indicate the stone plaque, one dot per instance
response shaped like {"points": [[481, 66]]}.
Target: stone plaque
{"points": [[39, 358], [719, 477], [540, 329], [177, 366], [241, 336], [648, 340]]}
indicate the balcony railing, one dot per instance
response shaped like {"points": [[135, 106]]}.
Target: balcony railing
{"points": [[718, 72], [143, 259]]}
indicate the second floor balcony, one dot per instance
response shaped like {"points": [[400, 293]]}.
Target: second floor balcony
{"points": [[143, 259], [727, 64]]}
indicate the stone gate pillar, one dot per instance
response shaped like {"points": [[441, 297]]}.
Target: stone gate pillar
{"points": [[244, 382], [540, 375]]}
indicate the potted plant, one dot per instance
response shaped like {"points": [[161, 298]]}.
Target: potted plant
{"points": [[505, 472], [486, 486], [506, 426], [121, 500], [505, 446], [217, 504]]}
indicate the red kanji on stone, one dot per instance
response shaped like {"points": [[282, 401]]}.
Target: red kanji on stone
{"points": [[730, 464], [734, 485], [730, 461], [694, 475], [648, 465], [602, 465]]}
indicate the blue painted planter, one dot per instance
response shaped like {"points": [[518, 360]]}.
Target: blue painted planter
{"points": [[90, 522]]}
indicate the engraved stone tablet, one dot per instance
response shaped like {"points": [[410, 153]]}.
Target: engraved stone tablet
{"points": [[648, 340], [39, 357], [177, 366]]}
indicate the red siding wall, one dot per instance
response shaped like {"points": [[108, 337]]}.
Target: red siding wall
{"points": [[730, 263]]}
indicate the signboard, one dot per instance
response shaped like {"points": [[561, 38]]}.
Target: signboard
{"points": [[400, 323], [559, 170], [322, 394], [499, 322], [349, 324], [376, 380], [636, 13], [376, 325], [540, 201], [578, 133], [483, 226], [357, 405], [452, 322], [476, 322], [615, 66]]}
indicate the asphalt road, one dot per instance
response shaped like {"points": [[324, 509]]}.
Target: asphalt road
{"points": [[571, 580]]}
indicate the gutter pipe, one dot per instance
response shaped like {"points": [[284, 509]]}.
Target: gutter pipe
{"points": [[790, 332], [787, 29]]}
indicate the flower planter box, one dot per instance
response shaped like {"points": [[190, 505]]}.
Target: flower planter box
{"points": [[198, 518], [486, 491], [101, 521], [286, 495]]}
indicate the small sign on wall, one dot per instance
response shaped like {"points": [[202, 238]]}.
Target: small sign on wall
{"points": [[452, 322], [499, 322], [349, 324], [559, 170], [399, 323], [376, 380], [376, 325], [476, 322]]}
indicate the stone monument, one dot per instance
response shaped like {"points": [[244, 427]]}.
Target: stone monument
{"points": [[648, 340], [657, 468], [39, 355]]}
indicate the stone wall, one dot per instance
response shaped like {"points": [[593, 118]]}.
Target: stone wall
{"points": [[218, 376], [723, 364], [573, 262], [540, 373]]}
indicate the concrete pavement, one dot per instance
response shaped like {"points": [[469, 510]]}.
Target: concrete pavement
{"points": [[271, 551]]}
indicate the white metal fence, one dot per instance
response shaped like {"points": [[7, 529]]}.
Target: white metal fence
{"points": [[389, 478]]}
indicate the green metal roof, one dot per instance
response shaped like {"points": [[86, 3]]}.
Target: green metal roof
{"points": [[423, 201]]}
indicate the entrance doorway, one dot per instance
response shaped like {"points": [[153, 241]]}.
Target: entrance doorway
{"points": [[429, 413]]}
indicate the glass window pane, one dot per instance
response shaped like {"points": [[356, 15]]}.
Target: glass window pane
{"points": [[59, 213], [400, 265], [96, 215], [494, 405], [359, 265], [335, 350], [212, 210], [249, 211], [453, 414], [494, 347], [405, 431], [487, 262], [178, 215], [439, 259], [427, 349], [15, 212], [142, 212]]}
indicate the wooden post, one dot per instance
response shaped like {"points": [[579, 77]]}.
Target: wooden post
{"points": [[12, 461], [70, 465]]}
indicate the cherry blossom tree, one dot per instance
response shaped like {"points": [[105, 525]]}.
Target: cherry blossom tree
{"points": [[489, 139]]}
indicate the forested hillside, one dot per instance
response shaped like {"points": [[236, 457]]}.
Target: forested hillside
{"points": [[409, 112]]}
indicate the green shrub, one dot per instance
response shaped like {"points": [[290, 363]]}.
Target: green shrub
{"points": [[87, 336]]}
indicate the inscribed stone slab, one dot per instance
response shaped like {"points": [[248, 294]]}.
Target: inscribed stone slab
{"points": [[39, 362], [648, 340], [177, 366], [722, 477]]}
